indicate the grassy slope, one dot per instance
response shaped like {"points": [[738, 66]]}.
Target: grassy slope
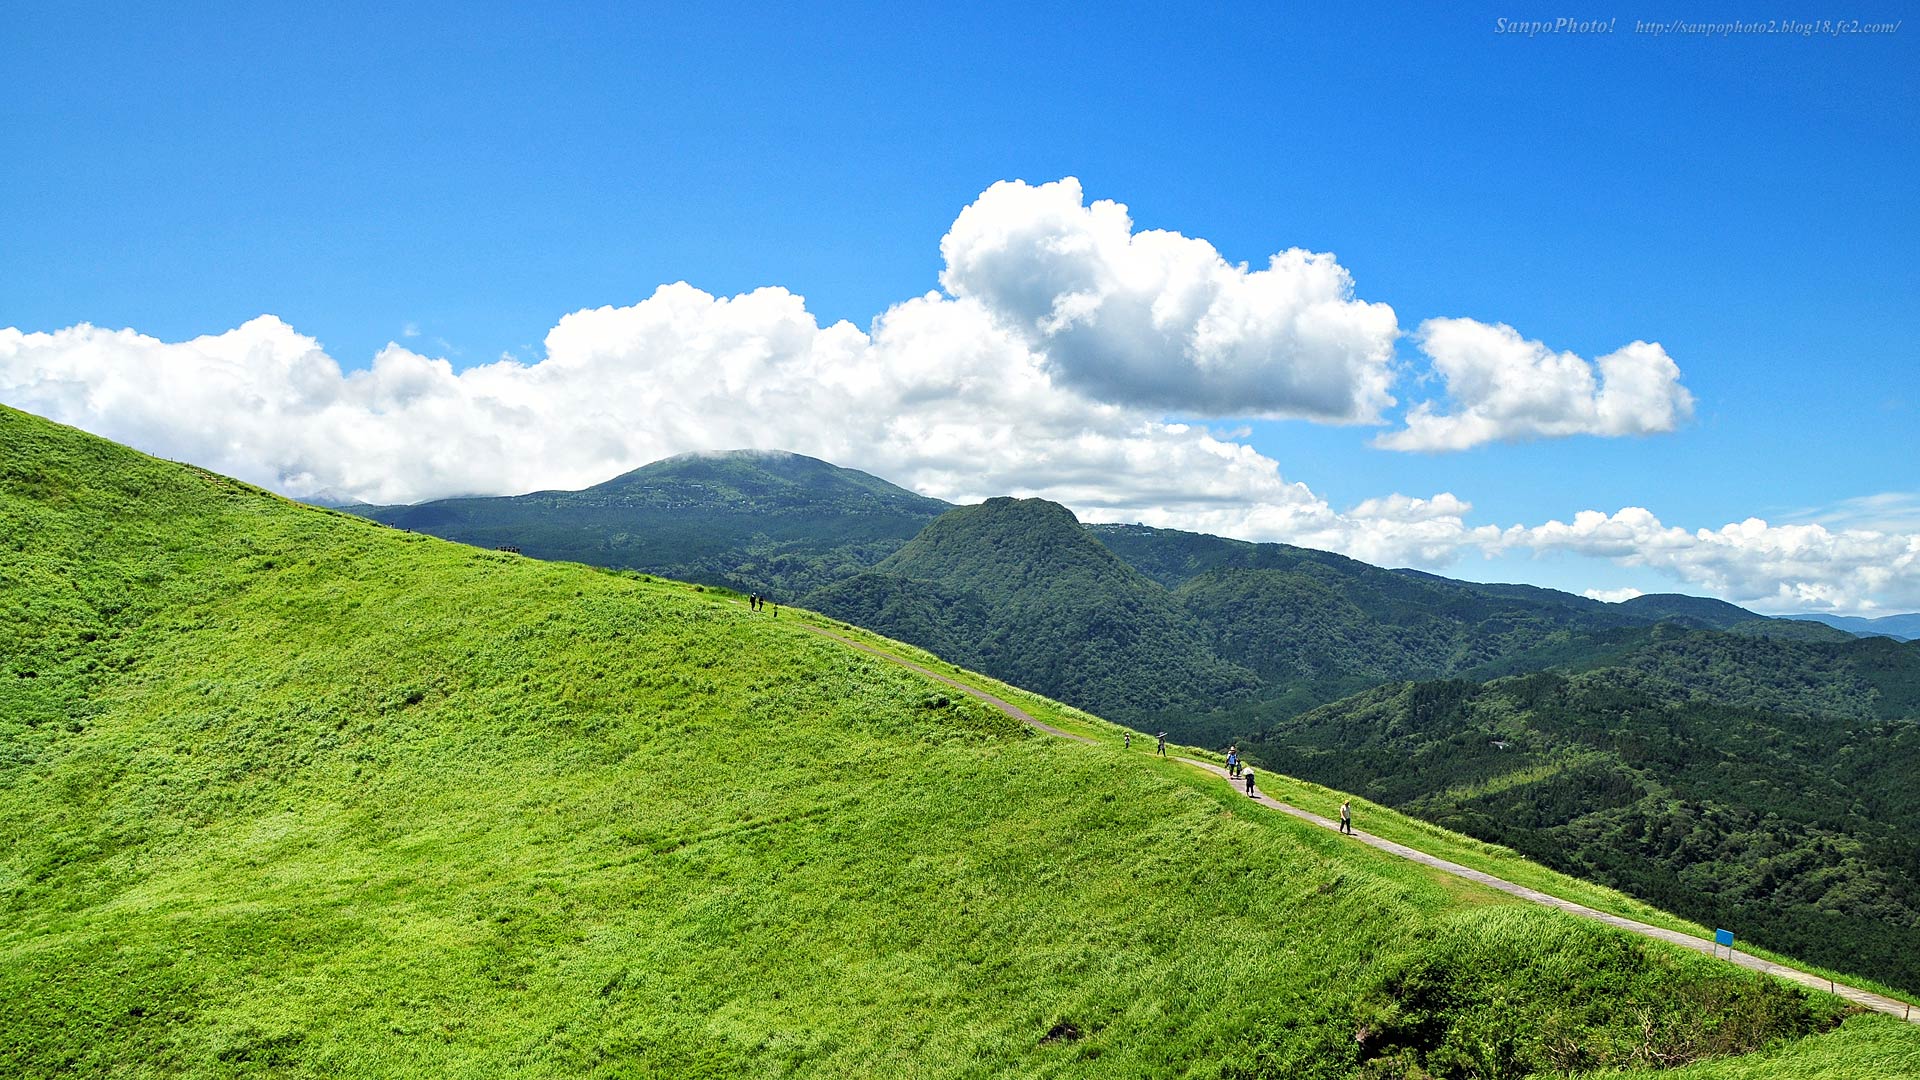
{"points": [[1793, 829], [290, 793], [1375, 818]]}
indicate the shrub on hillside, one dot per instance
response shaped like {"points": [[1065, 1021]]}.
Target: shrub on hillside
{"points": [[1512, 992]]}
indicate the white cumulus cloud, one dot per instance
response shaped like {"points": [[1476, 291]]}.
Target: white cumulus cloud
{"points": [[1612, 596], [1161, 321], [1504, 387]]}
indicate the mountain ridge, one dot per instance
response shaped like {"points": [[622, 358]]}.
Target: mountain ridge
{"points": [[1905, 627], [1287, 628]]}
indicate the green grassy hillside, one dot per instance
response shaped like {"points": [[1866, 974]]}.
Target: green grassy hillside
{"points": [[287, 793]]}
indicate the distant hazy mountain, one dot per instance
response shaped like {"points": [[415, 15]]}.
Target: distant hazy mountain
{"points": [[762, 519], [1898, 627], [331, 500]]}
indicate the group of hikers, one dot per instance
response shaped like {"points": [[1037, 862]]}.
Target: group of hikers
{"points": [[756, 602], [1238, 769]]}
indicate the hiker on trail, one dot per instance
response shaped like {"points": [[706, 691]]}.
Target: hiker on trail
{"points": [[1163, 743], [1346, 817], [753, 602], [1233, 763], [1249, 775], [1129, 740]]}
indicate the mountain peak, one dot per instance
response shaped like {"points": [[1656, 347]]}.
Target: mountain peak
{"points": [[784, 463], [1034, 509], [1717, 614], [758, 473]]}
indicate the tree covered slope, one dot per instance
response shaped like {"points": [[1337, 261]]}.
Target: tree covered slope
{"points": [[1017, 588], [1755, 783], [1316, 626], [286, 793]]}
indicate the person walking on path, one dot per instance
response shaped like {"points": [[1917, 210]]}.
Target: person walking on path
{"points": [[1346, 817], [1129, 740], [1249, 775], [1162, 737]]}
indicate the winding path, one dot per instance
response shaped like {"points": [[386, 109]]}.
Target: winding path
{"points": [[1863, 998]]}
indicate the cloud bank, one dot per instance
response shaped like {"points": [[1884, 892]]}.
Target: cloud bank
{"points": [[996, 386], [1774, 568], [1505, 388]]}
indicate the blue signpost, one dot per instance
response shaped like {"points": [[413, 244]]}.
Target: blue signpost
{"points": [[1723, 937]]}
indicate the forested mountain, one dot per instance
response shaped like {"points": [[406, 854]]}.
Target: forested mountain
{"points": [[760, 519], [1316, 626], [1018, 588], [1754, 783], [1205, 636], [1211, 638]]}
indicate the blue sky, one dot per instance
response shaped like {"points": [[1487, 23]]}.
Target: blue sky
{"points": [[474, 173]]}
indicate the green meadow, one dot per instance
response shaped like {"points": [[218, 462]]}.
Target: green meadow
{"points": [[285, 792]]}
